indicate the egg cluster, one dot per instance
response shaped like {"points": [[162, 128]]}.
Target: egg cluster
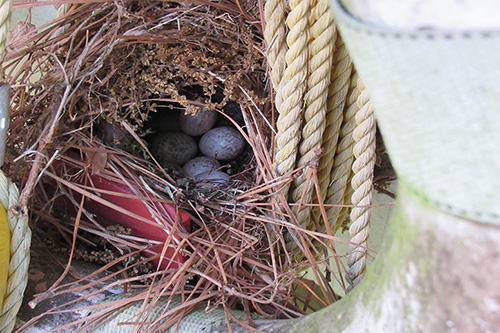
{"points": [[196, 135]]}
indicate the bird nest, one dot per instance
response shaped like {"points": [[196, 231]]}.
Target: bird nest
{"points": [[124, 64]]}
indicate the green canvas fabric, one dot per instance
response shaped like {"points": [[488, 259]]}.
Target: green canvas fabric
{"points": [[436, 96]]}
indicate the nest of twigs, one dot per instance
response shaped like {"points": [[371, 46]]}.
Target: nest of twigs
{"points": [[117, 62]]}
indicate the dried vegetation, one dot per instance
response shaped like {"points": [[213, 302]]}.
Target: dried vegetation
{"points": [[116, 62]]}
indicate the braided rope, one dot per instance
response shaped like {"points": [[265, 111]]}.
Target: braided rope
{"points": [[293, 87], [343, 157], [5, 13], [323, 35], [343, 216], [337, 94], [275, 37], [362, 184], [20, 255], [18, 224]]}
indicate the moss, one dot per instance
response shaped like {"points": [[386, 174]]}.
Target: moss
{"points": [[403, 242]]}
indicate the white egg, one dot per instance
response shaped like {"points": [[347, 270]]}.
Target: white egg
{"points": [[173, 148], [223, 143], [199, 165], [198, 124]]}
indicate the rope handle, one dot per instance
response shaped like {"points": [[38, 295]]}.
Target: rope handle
{"points": [[20, 234], [362, 185], [4, 118], [320, 105]]}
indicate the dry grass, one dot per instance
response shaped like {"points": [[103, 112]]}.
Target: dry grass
{"points": [[116, 62]]}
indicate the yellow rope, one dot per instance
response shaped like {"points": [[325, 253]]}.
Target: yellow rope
{"points": [[362, 184], [20, 255], [275, 37], [343, 157], [292, 88], [18, 224], [5, 12], [343, 216], [323, 35], [342, 68], [315, 77], [4, 252]]}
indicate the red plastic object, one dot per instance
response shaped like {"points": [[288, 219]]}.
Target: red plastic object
{"points": [[107, 216]]}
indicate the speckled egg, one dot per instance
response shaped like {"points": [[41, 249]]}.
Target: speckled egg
{"points": [[199, 123], [173, 148], [213, 177], [223, 143], [199, 165]]}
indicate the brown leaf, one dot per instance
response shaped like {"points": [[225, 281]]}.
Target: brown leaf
{"points": [[98, 161]]}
